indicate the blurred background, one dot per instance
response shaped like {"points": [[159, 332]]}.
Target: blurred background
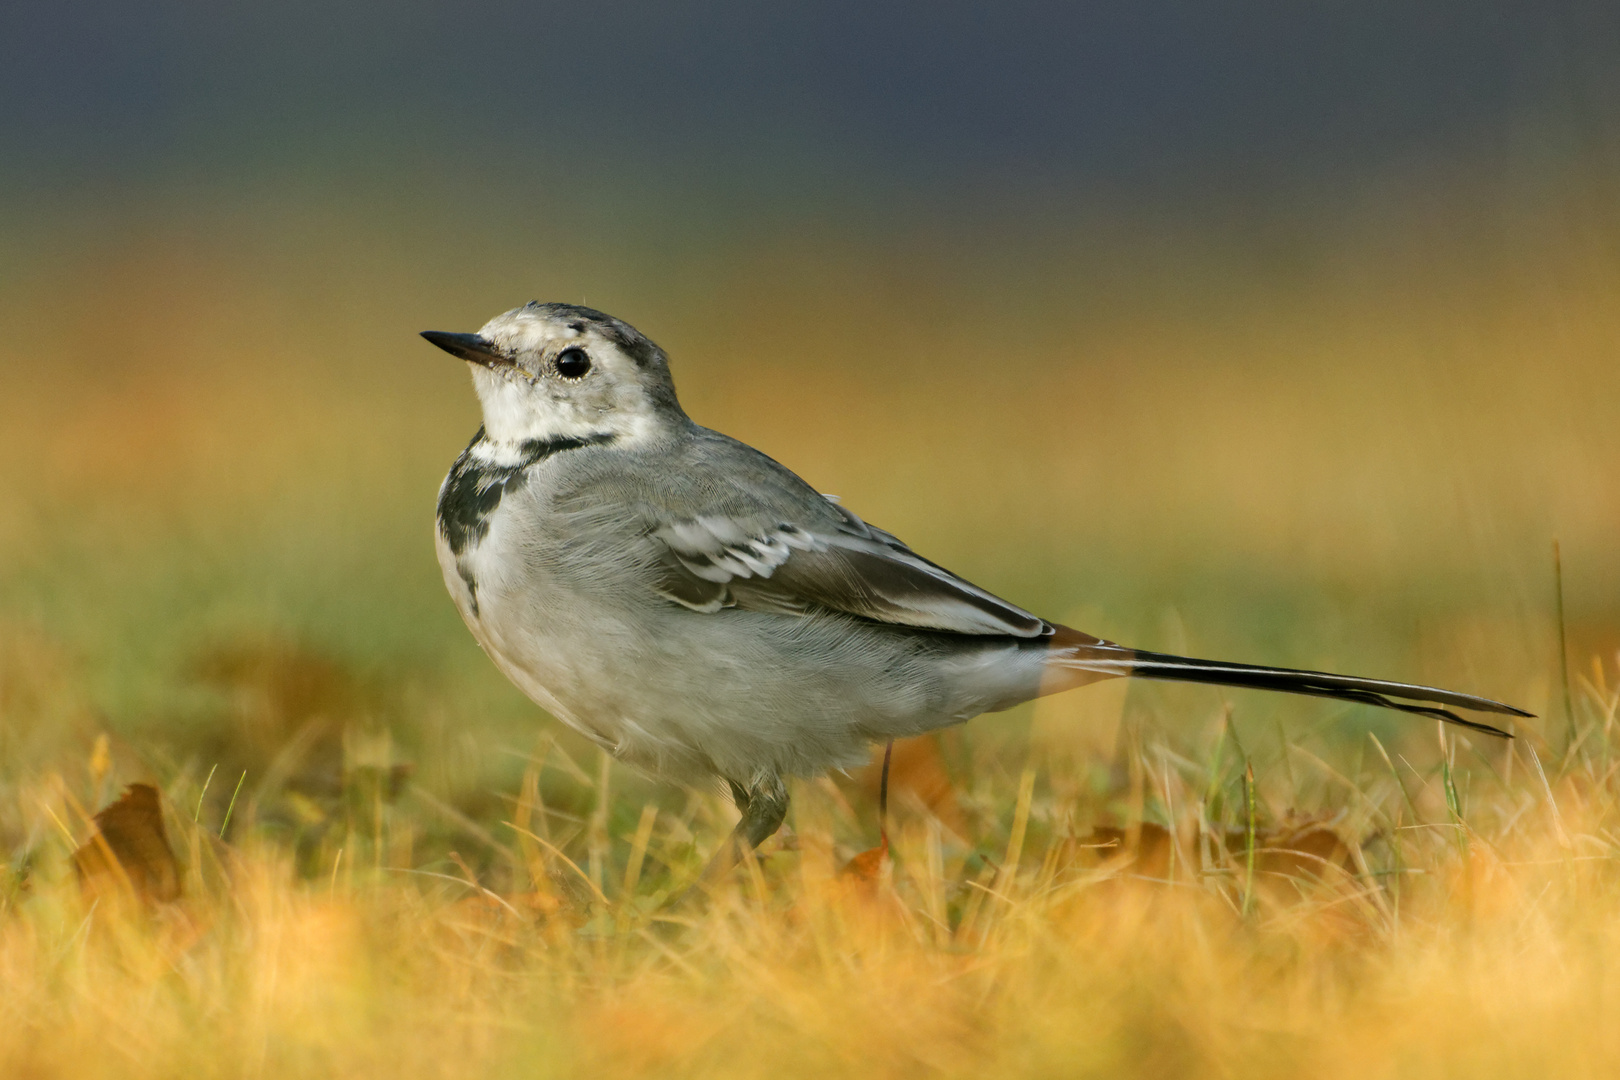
{"points": [[1260, 331]]}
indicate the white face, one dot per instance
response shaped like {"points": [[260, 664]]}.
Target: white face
{"points": [[571, 372]]}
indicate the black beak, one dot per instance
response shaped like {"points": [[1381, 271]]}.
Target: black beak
{"points": [[469, 347]]}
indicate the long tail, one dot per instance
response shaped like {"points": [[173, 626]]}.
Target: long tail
{"points": [[1083, 653]]}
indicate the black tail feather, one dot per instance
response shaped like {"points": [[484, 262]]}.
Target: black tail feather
{"points": [[1151, 665]]}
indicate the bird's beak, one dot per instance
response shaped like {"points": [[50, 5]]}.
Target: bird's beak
{"points": [[469, 347]]}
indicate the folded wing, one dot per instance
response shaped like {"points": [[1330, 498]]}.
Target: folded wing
{"points": [[841, 564]]}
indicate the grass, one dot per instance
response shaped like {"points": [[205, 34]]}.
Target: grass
{"points": [[1389, 938], [216, 578]]}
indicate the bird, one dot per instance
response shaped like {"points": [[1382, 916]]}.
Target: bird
{"points": [[702, 614]]}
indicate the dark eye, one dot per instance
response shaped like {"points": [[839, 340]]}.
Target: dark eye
{"points": [[572, 363]]}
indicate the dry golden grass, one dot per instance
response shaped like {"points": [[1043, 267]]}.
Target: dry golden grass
{"points": [[1419, 945], [1350, 450]]}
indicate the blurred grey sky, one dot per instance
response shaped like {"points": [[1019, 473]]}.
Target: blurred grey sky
{"points": [[1158, 99]]}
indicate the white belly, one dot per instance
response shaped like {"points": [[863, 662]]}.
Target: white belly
{"points": [[533, 660], [680, 693]]}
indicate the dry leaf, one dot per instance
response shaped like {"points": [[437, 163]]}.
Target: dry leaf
{"points": [[290, 707], [1149, 855], [867, 867], [864, 880], [1297, 848], [1303, 848], [918, 769], [129, 849]]}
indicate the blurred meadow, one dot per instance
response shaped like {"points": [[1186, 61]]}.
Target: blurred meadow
{"points": [[1332, 417]]}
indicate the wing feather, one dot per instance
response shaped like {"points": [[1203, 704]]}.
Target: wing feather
{"points": [[712, 562]]}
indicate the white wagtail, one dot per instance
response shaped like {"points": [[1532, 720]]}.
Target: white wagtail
{"points": [[699, 611]]}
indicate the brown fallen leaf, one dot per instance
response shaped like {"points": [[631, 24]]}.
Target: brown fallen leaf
{"points": [[863, 884], [289, 707], [1295, 848], [1298, 848], [918, 770], [1147, 853], [129, 849], [867, 866], [865, 870]]}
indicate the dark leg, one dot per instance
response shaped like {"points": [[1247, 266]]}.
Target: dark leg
{"points": [[767, 807], [763, 807]]}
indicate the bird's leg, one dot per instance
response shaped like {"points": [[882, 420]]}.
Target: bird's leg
{"points": [[763, 815], [763, 807]]}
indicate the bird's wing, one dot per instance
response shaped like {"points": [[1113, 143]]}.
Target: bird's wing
{"points": [[826, 561]]}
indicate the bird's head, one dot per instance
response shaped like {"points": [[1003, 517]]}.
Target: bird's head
{"points": [[548, 371]]}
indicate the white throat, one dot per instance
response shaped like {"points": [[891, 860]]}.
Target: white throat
{"points": [[517, 411]]}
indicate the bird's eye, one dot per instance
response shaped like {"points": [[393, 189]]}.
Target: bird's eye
{"points": [[572, 363]]}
